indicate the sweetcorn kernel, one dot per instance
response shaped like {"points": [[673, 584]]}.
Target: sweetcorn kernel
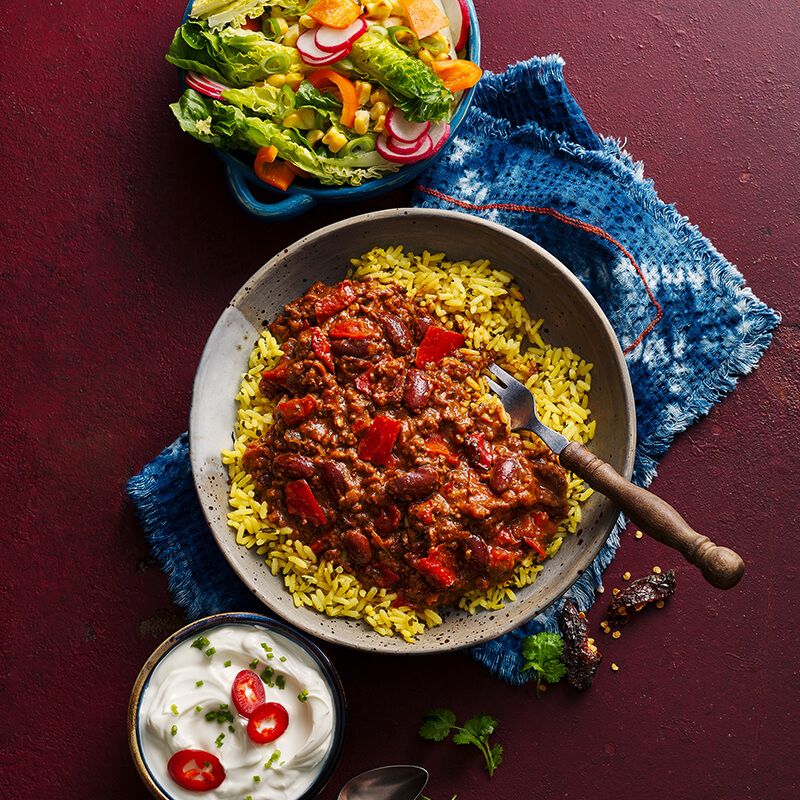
{"points": [[314, 136], [334, 140], [381, 9], [363, 90], [306, 21], [377, 110], [425, 56], [380, 96], [291, 36], [277, 81], [380, 123], [361, 122], [293, 80]]}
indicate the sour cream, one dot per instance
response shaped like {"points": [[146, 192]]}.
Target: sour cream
{"points": [[187, 679]]}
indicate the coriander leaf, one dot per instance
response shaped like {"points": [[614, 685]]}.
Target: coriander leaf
{"points": [[542, 653], [437, 724], [462, 736], [482, 726], [496, 756]]}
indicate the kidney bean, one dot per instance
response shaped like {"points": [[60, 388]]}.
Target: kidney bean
{"points": [[413, 485], [477, 551], [334, 477], [502, 475], [396, 332], [421, 325], [294, 464], [358, 546], [417, 392], [350, 347], [479, 452]]}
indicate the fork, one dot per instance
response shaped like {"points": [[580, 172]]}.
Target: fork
{"points": [[721, 567]]}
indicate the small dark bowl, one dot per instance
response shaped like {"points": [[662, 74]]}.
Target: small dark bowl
{"points": [[257, 620]]}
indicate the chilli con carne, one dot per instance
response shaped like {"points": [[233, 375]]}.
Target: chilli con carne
{"points": [[383, 460]]}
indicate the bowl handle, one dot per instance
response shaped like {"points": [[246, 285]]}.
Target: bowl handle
{"points": [[291, 205]]}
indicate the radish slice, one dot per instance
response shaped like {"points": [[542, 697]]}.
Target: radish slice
{"points": [[313, 55], [457, 12], [403, 148], [422, 150], [332, 39], [439, 134], [401, 129], [206, 86]]}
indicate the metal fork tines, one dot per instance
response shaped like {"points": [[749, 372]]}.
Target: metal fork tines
{"points": [[520, 405]]}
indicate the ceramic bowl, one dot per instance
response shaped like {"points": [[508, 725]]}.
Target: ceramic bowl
{"points": [[572, 317], [191, 631], [302, 196]]}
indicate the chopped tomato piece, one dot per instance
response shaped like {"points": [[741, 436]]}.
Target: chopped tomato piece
{"points": [[335, 13], [334, 302], [247, 692], [297, 409], [437, 343], [322, 348], [196, 770], [353, 329], [267, 723], [301, 502], [388, 576], [377, 443], [479, 451], [435, 572]]}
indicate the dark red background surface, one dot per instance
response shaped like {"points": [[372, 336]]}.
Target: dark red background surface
{"points": [[121, 247]]}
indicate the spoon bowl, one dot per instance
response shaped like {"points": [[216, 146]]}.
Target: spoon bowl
{"points": [[396, 782]]}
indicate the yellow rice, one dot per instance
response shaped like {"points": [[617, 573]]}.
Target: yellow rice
{"points": [[487, 306]]}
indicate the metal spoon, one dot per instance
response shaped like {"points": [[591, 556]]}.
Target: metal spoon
{"points": [[396, 782], [720, 566]]}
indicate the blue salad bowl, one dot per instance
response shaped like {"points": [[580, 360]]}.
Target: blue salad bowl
{"points": [[299, 198]]}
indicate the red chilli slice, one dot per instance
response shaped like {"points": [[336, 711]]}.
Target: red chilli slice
{"points": [[247, 692], [437, 343], [301, 502], [377, 443], [196, 770], [268, 722]]}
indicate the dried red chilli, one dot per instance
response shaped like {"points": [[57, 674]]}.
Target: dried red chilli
{"points": [[640, 593], [581, 658]]}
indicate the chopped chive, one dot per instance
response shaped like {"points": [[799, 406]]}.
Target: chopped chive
{"points": [[249, 797], [282, 658], [226, 664], [173, 730], [210, 652], [272, 759], [257, 778], [174, 709], [198, 684], [280, 682], [218, 740], [254, 663], [303, 696], [231, 728], [200, 642], [221, 714], [266, 676], [198, 709], [267, 648]]}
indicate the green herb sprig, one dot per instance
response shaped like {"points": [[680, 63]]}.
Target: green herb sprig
{"points": [[542, 654], [440, 722]]}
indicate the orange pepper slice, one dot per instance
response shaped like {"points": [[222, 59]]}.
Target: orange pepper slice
{"points": [[335, 13], [321, 77], [424, 17], [276, 173], [457, 74]]}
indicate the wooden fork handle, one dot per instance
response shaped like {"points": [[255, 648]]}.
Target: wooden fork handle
{"points": [[720, 566]]}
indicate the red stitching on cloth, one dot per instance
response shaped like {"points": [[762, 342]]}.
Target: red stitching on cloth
{"points": [[576, 223]]}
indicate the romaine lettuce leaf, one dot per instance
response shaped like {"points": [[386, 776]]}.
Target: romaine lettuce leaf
{"points": [[265, 100], [230, 128], [235, 13], [232, 55], [414, 87]]}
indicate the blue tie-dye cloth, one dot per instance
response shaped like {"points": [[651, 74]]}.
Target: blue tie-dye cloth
{"points": [[526, 157]]}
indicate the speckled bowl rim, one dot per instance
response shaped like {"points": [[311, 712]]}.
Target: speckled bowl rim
{"points": [[256, 620], [586, 556]]}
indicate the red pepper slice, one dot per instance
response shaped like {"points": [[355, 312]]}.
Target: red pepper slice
{"points": [[437, 343], [387, 521], [275, 379], [377, 443], [436, 444], [267, 723], [301, 502], [479, 452], [247, 692], [534, 545], [353, 329], [196, 770], [297, 409], [322, 348], [436, 573], [334, 302]]}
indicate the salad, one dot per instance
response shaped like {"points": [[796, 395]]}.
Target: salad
{"points": [[330, 90]]}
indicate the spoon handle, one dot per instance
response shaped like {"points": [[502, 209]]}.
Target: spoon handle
{"points": [[720, 566]]}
